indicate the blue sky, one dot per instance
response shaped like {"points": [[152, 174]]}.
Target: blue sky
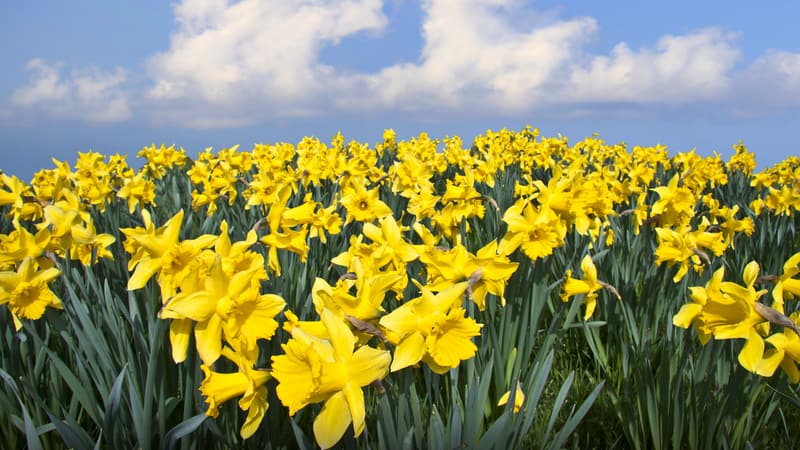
{"points": [[116, 76]]}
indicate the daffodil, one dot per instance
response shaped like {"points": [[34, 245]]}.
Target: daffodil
{"points": [[787, 287], [226, 304], [247, 383], [370, 291], [705, 300], [393, 250], [432, 328], [422, 203], [519, 398], [686, 247], [565, 195], [160, 159], [18, 195], [537, 231], [675, 205], [588, 286], [730, 225], [159, 252], [786, 350], [237, 256], [317, 160], [331, 371], [783, 200], [727, 310], [460, 201], [26, 292], [742, 160], [487, 271], [280, 236], [87, 243], [138, 191], [20, 243], [319, 219], [60, 221], [362, 204]]}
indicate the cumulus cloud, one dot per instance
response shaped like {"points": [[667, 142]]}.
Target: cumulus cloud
{"points": [[687, 68], [775, 76], [241, 62], [90, 94], [246, 61], [253, 59], [473, 54], [232, 63]]}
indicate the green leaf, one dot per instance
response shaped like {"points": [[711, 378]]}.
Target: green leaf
{"points": [[497, 436], [558, 403], [455, 423], [31, 434], [408, 440], [176, 433], [73, 435], [475, 400], [112, 405], [78, 388], [436, 431], [302, 441], [576, 418]]}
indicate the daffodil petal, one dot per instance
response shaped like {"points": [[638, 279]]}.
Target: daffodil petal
{"points": [[179, 331], [686, 315], [208, 338], [332, 421], [355, 401], [144, 271], [409, 352], [751, 354]]}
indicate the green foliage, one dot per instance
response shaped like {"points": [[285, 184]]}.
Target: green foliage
{"points": [[99, 374]]}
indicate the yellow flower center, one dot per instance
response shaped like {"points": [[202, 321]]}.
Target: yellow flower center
{"points": [[178, 259], [25, 294]]}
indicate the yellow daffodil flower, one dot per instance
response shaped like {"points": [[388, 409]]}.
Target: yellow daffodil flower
{"points": [[333, 371], [786, 350], [26, 292], [685, 247], [488, 271], [675, 205], [537, 231], [159, 252], [226, 304], [519, 398], [363, 204], [160, 159], [248, 383], [432, 328], [86, 241], [727, 310], [138, 191], [370, 291], [588, 286], [16, 194], [787, 287], [20, 244]]}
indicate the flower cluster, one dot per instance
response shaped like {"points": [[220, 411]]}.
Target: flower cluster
{"points": [[728, 310], [403, 293]]}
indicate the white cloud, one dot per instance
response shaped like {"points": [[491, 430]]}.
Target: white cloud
{"points": [[774, 77], [679, 69], [231, 63], [247, 61], [90, 94], [253, 59], [474, 55]]}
